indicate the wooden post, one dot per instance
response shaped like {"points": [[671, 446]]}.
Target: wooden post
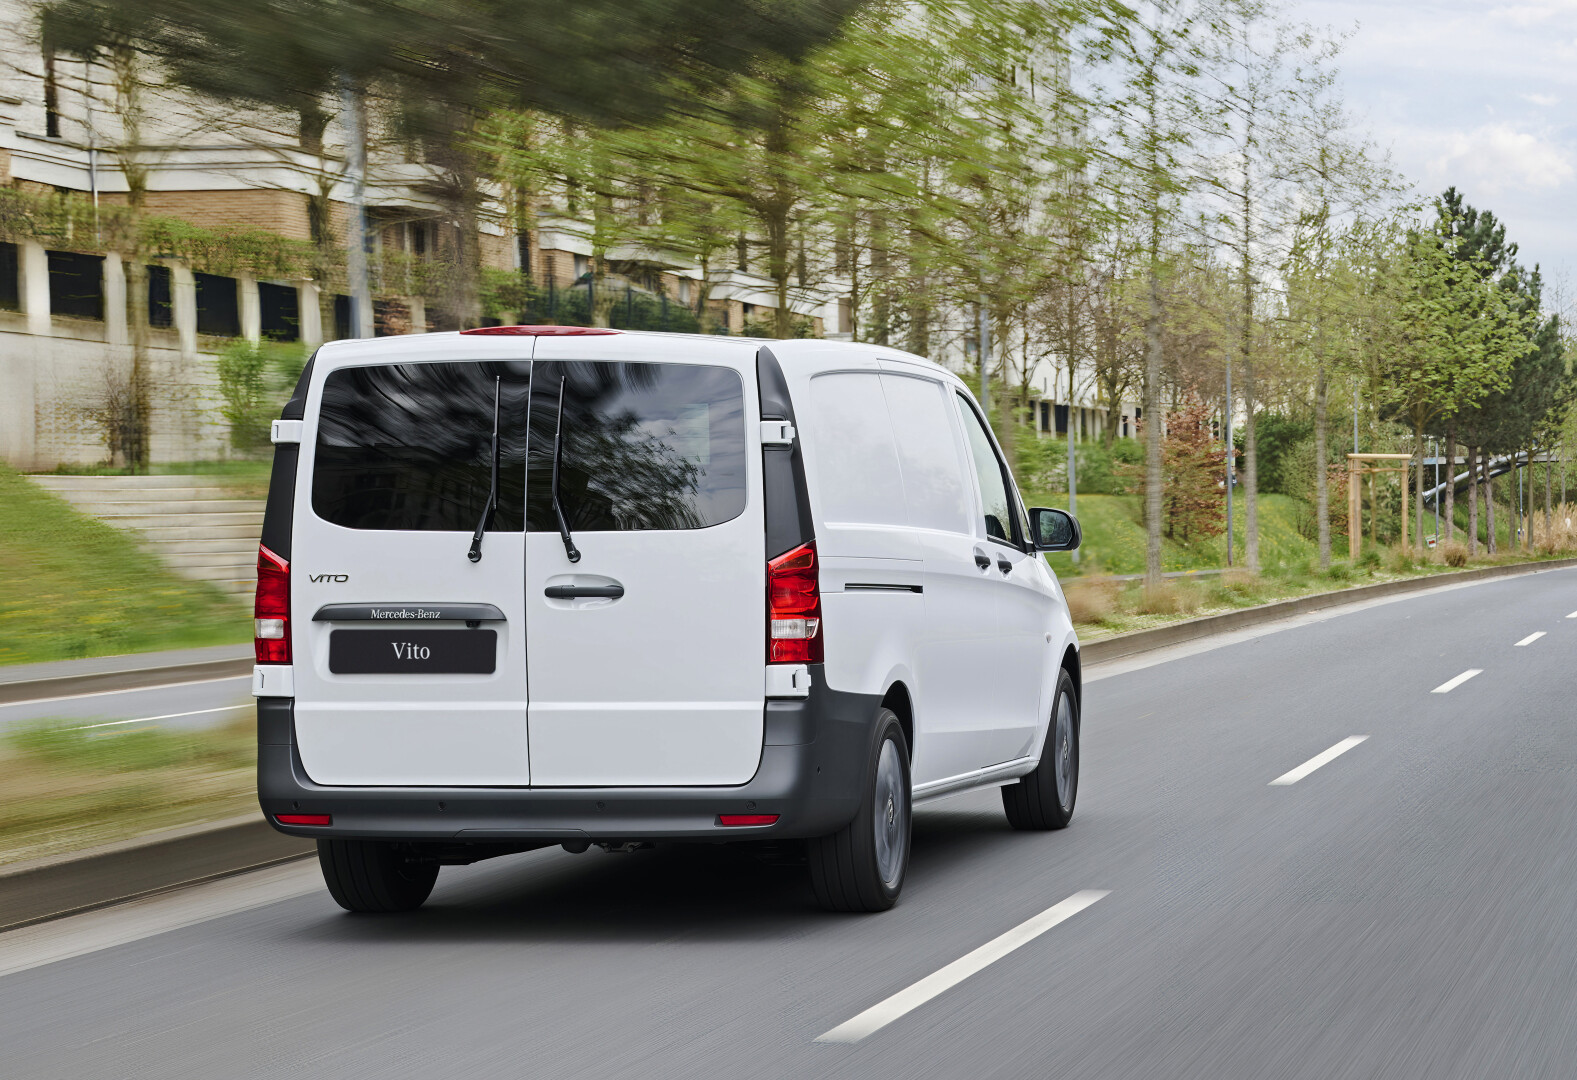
{"points": [[1354, 518]]}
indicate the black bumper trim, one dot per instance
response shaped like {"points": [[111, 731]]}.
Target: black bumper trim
{"points": [[811, 774]]}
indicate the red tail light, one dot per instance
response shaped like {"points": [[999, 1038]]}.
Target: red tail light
{"points": [[304, 819], [735, 820], [271, 611], [794, 608]]}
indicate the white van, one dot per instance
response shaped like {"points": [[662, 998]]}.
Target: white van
{"points": [[524, 586]]}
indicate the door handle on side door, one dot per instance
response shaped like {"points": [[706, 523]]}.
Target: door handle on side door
{"points": [[1004, 566], [982, 560], [576, 592]]}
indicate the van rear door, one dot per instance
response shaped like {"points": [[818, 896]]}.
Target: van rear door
{"points": [[647, 654], [409, 657]]}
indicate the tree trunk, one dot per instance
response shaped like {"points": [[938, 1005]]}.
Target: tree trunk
{"points": [[1473, 456], [1152, 436], [1549, 514], [1322, 498], [1250, 460], [1418, 487], [1490, 546], [1451, 482]]}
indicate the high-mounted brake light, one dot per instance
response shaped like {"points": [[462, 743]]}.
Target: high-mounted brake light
{"points": [[735, 820], [271, 609], [304, 819], [541, 331], [794, 608]]}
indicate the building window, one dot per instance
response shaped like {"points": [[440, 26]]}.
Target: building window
{"points": [[10, 281], [684, 290], [76, 284], [582, 266], [280, 309], [51, 96], [218, 306], [523, 252], [342, 327], [418, 231], [161, 308]]}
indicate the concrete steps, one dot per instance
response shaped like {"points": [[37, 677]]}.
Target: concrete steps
{"points": [[192, 523]]}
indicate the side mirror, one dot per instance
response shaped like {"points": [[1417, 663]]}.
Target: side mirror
{"points": [[1054, 530]]}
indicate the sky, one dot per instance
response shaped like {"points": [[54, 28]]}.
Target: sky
{"points": [[1481, 94]]}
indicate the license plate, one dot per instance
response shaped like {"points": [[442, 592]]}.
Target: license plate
{"points": [[413, 652]]}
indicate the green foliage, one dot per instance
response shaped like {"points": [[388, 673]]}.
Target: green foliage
{"points": [[72, 586], [1279, 437], [255, 380], [67, 744]]}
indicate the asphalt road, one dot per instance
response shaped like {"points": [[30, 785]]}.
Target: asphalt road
{"points": [[1408, 909]]}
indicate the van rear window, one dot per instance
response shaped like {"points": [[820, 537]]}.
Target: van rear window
{"points": [[646, 446], [409, 446]]}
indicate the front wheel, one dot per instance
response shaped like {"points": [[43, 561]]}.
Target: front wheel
{"points": [[375, 876], [861, 866], [1044, 798]]}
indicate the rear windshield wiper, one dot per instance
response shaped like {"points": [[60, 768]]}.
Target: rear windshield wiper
{"points": [[558, 453], [475, 554]]}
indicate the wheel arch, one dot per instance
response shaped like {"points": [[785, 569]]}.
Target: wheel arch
{"points": [[897, 699]]}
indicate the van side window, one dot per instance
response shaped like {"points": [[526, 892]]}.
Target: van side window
{"points": [[995, 501], [856, 463], [646, 446], [409, 446], [934, 481]]}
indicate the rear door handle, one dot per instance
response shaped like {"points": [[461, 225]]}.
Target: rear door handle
{"points": [[577, 592], [982, 560], [1004, 566]]}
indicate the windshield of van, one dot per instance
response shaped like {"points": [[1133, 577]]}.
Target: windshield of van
{"points": [[646, 446], [409, 446]]}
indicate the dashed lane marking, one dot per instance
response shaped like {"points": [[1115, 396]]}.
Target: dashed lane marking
{"points": [[1451, 684], [907, 1000], [1531, 638], [1317, 760]]}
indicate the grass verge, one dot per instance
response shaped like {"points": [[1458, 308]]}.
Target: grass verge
{"points": [[65, 788], [72, 586]]}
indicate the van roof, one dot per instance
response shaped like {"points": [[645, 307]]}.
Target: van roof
{"points": [[783, 348]]}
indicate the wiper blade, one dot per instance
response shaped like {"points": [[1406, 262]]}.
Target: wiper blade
{"points": [[475, 554], [558, 453]]}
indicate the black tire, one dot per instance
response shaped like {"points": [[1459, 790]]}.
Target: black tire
{"points": [[375, 876], [1040, 801], [861, 867]]}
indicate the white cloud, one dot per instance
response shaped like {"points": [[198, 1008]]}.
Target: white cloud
{"points": [[1542, 100], [1499, 158]]}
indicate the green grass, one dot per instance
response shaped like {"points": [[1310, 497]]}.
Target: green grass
{"points": [[1114, 537], [63, 788], [71, 586]]}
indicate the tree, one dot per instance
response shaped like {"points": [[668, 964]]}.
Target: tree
{"points": [[1194, 494], [1154, 115], [1456, 337]]}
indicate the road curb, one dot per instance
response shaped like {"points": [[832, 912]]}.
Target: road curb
{"points": [[43, 889], [124, 679], [1121, 646]]}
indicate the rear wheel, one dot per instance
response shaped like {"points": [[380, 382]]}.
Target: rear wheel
{"points": [[861, 867], [1044, 799], [375, 876]]}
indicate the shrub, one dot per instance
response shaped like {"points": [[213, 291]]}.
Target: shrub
{"points": [[254, 380], [1369, 560], [1339, 571], [1454, 553], [1402, 561], [1092, 602]]}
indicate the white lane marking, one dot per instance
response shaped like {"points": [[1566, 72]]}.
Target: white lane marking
{"points": [[1573, 615], [166, 716], [92, 931], [131, 690], [904, 1001], [1317, 760], [1531, 638], [1452, 684]]}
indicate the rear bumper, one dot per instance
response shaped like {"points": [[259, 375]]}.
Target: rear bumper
{"points": [[811, 774]]}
